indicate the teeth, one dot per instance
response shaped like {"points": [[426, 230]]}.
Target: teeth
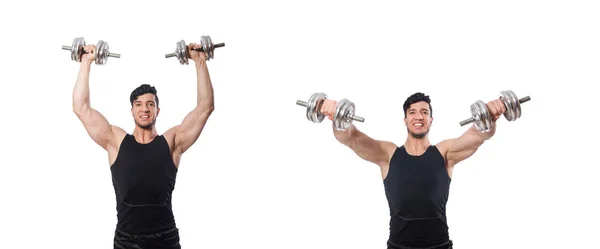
{"points": [[419, 125]]}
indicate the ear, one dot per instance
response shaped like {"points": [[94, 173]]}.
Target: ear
{"points": [[157, 111], [405, 122]]}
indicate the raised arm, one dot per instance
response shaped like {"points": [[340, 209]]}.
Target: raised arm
{"points": [[367, 148], [463, 147], [189, 130], [94, 122]]}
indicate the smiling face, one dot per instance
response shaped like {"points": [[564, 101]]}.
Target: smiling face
{"points": [[145, 110], [418, 119]]}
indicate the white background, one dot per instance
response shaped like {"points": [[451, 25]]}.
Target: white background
{"points": [[261, 175]]}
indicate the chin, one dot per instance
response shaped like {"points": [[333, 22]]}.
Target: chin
{"points": [[146, 125], [419, 134]]}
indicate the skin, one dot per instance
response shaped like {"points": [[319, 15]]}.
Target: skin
{"points": [[418, 122], [144, 112]]}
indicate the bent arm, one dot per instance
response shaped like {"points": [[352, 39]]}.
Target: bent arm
{"points": [[466, 145], [367, 148], [94, 122], [188, 132]]}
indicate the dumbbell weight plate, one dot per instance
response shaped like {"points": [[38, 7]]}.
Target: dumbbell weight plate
{"points": [[182, 52], [102, 51], [342, 117], [513, 107], [483, 120], [77, 49], [313, 107], [207, 47]]}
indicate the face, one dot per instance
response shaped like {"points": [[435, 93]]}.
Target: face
{"points": [[145, 111], [418, 119]]}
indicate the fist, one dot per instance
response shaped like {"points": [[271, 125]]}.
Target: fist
{"points": [[328, 108], [89, 54], [496, 109], [195, 55]]}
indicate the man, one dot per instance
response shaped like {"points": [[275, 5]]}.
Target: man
{"points": [[416, 175], [144, 164]]}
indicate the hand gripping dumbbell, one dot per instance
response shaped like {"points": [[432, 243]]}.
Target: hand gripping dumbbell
{"points": [[482, 118], [342, 118], [181, 52], [102, 51]]}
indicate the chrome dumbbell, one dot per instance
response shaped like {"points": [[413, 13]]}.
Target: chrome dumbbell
{"points": [[208, 47], [342, 118], [102, 51], [482, 118]]}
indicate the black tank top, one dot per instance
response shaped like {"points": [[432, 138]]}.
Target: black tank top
{"points": [[417, 189], [143, 177]]}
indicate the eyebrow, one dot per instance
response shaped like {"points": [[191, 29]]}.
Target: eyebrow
{"points": [[413, 109], [139, 101]]}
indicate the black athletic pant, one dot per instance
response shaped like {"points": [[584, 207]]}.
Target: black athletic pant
{"points": [[165, 240], [447, 245]]}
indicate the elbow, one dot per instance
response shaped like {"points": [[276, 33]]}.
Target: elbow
{"points": [[79, 110], [80, 107], [206, 108], [209, 109]]}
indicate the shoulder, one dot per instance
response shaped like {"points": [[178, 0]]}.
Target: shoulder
{"points": [[118, 135], [389, 147], [444, 145], [118, 132], [170, 136], [170, 133]]}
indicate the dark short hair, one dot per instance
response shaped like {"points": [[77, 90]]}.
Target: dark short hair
{"points": [[417, 97], [141, 90]]}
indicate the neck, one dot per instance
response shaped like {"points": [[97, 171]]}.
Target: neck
{"points": [[416, 146], [144, 135]]}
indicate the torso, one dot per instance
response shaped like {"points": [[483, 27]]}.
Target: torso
{"points": [[385, 167], [144, 175], [417, 188], [113, 150]]}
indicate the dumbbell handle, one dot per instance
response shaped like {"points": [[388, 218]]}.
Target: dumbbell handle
{"points": [[218, 45], [355, 118], [85, 52], [472, 119]]}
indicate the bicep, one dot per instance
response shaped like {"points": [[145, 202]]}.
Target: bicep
{"points": [[369, 149], [97, 127], [190, 129]]}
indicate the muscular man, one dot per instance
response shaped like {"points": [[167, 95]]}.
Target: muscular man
{"points": [[416, 175], [144, 164]]}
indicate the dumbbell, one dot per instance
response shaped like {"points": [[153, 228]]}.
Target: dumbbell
{"points": [[482, 118], [102, 51], [181, 52], [342, 118]]}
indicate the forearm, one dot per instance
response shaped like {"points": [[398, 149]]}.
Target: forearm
{"points": [[483, 136], [205, 99], [347, 136], [478, 137], [81, 91]]}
